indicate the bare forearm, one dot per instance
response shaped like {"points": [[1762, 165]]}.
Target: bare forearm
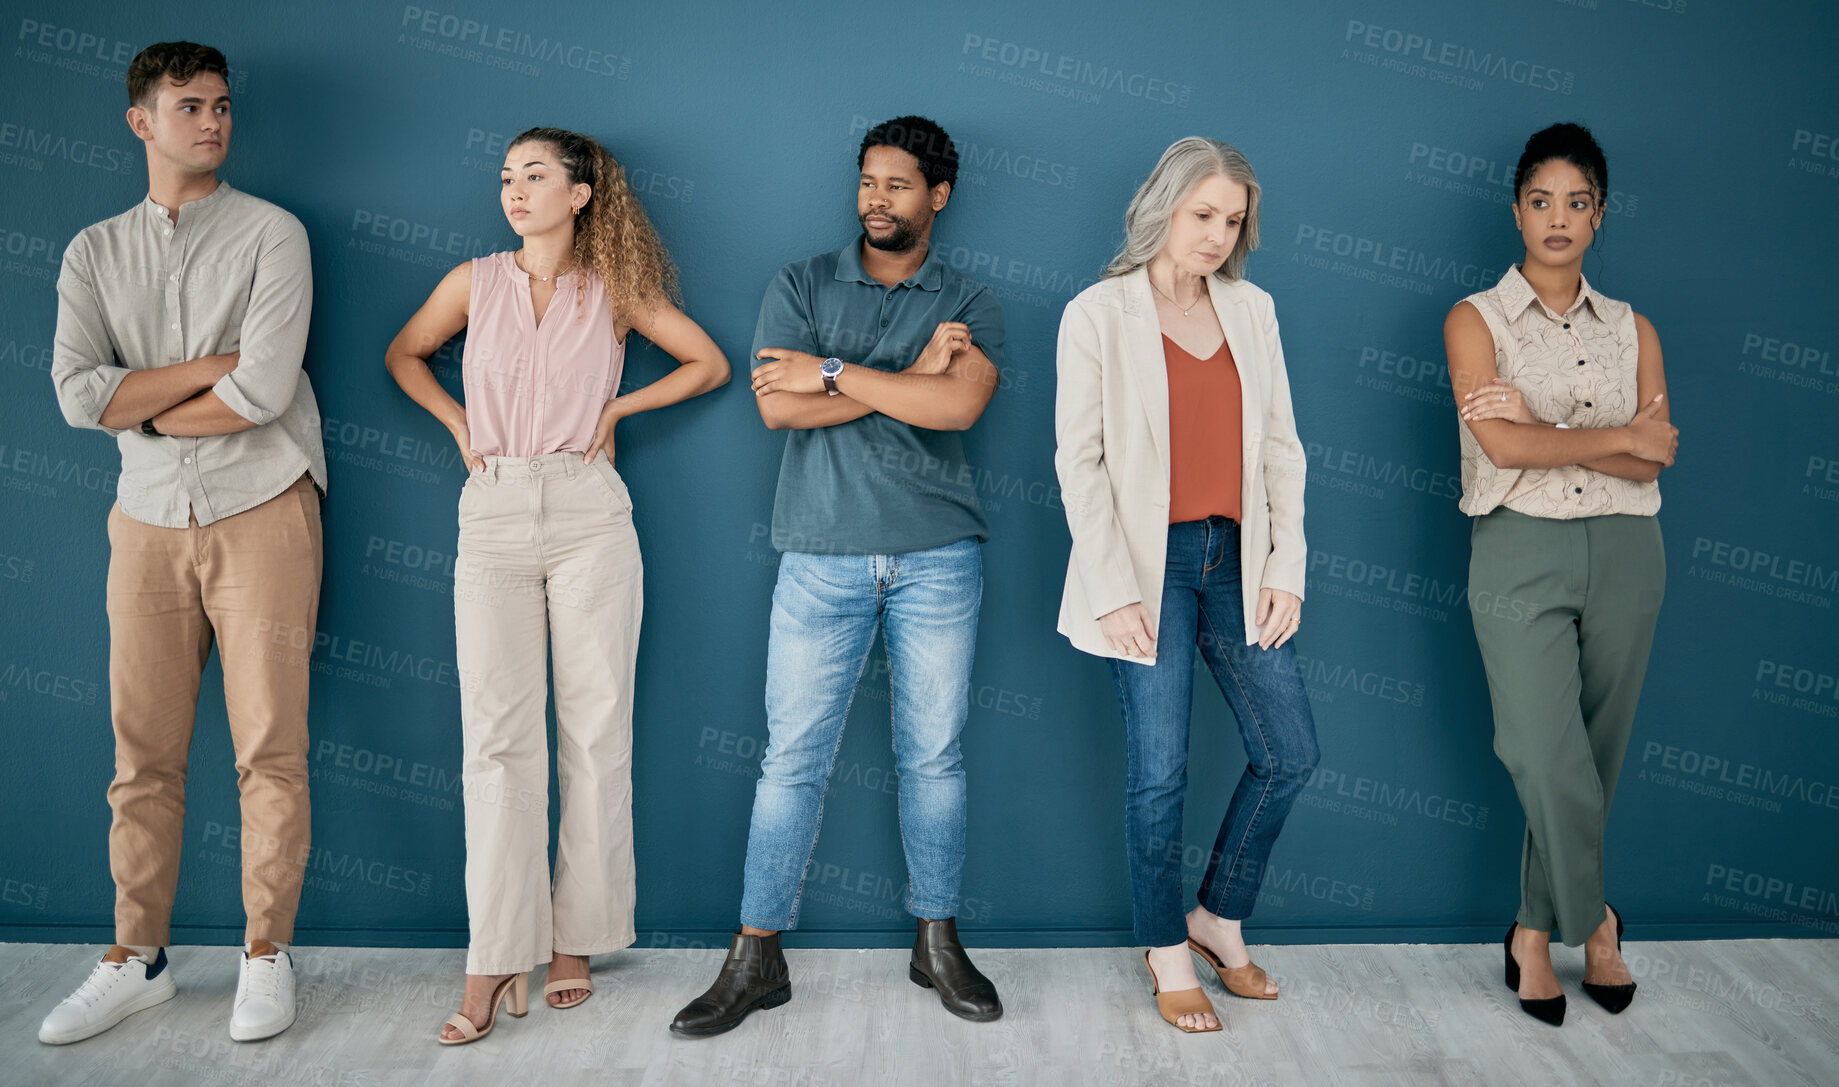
{"points": [[201, 416], [808, 411], [1541, 445], [144, 394], [1626, 466], [412, 373], [933, 401], [693, 378], [1620, 465]]}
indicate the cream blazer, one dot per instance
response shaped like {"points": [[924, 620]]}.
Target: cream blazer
{"points": [[1111, 431]]}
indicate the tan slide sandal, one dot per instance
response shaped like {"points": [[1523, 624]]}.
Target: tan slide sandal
{"points": [[1247, 981], [1179, 1003]]}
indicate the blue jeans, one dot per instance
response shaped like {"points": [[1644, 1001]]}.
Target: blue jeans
{"points": [[826, 609], [1202, 605]]}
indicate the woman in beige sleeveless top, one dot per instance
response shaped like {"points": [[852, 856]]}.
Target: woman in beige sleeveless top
{"points": [[1564, 431]]}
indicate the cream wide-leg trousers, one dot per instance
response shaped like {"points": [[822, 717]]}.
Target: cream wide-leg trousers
{"points": [[548, 569]]}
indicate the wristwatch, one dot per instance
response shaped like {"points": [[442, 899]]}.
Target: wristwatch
{"points": [[830, 369]]}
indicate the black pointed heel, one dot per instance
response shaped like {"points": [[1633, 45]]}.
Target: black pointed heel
{"points": [[1614, 998], [1551, 1009]]}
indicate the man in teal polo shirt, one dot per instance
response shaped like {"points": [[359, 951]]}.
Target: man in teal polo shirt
{"points": [[875, 358]]}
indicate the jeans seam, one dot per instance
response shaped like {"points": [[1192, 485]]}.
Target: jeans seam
{"points": [[900, 819], [893, 741], [1117, 680], [823, 791], [1258, 727]]}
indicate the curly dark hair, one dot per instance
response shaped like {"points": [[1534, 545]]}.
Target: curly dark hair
{"points": [[180, 60], [1570, 143], [920, 137]]}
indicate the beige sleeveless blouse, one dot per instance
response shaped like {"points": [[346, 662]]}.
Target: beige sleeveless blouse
{"points": [[1576, 368]]}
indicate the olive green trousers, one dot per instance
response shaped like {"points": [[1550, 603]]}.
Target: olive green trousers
{"points": [[1564, 614]]}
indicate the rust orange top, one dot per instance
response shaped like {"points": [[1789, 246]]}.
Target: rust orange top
{"points": [[1205, 428]]}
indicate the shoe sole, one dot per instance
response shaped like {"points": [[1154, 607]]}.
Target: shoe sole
{"points": [[770, 1000], [919, 978], [265, 1032], [148, 1000]]}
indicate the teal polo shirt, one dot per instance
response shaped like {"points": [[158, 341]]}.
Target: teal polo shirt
{"points": [[874, 485]]}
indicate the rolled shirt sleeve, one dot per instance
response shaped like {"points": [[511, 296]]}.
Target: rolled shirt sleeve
{"points": [[272, 343], [83, 369]]}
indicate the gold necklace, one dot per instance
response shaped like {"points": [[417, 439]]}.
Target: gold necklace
{"points": [[1177, 305], [520, 264]]}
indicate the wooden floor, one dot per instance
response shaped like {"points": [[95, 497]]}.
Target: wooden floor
{"points": [[1709, 1014]]}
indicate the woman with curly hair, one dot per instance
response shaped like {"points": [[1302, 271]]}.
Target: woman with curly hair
{"points": [[548, 562]]}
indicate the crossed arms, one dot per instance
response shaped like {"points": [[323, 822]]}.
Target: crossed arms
{"points": [[212, 394]]}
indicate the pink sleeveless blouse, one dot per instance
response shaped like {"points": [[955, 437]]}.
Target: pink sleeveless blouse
{"points": [[530, 388]]}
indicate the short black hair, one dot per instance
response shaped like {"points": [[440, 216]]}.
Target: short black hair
{"points": [[180, 60], [1571, 143], [920, 137]]}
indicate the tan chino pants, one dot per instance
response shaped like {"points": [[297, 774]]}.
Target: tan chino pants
{"points": [[251, 582]]}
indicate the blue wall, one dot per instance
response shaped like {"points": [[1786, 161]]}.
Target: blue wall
{"points": [[1384, 134]]}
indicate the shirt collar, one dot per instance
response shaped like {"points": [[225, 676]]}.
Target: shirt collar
{"points": [[191, 207], [930, 277], [1516, 294]]}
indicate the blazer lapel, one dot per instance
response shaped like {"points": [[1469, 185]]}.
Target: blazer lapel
{"points": [[1143, 346], [1235, 318]]}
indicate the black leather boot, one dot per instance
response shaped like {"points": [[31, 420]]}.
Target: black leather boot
{"points": [[940, 962], [753, 976]]}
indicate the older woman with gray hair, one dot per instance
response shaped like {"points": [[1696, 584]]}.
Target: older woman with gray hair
{"points": [[1183, 483]]}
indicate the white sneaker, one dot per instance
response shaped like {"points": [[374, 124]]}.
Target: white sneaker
{"points": [[264, 997], [112, 992]]}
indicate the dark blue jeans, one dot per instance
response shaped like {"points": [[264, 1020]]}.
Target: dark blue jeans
{"points": [[1202, 605]]}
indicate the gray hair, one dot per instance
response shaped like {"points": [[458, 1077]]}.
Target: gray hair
{"points": [[1186, 163]]}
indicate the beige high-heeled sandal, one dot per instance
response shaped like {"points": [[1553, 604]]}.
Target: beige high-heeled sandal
{"points": [[513, 992], [1248, 981], [1179, 1003], [563, 986]]}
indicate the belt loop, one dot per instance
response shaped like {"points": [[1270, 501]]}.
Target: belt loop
{"points": [[572, 465], [490, 472]]}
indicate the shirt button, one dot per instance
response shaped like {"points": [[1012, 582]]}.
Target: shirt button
{"points": [[1579, 490], [175, 279], [1567, 324], [1586, 403], [175, 328], [188, 460], [1580, 362]]}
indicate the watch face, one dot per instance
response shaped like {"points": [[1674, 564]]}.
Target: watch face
{"points": [[832, 367]]}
